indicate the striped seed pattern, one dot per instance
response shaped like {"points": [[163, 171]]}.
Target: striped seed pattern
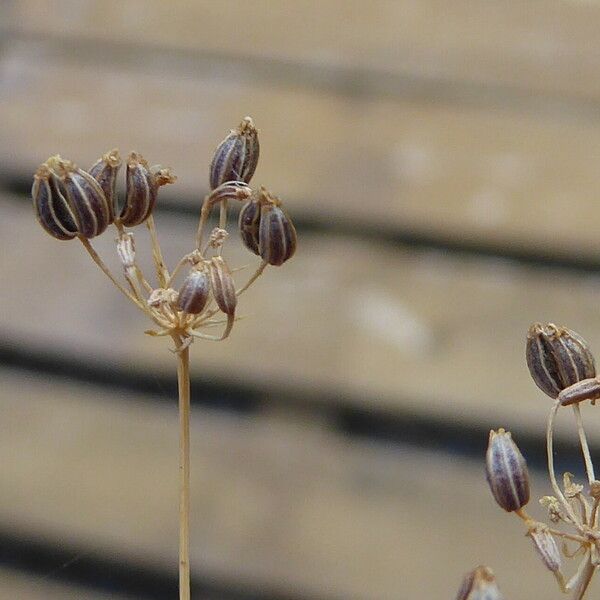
{"points": [[557, 357], [506, 471]]}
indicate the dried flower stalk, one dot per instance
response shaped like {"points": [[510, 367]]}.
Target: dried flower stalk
{"points": [[72, 203], [563, 367]]}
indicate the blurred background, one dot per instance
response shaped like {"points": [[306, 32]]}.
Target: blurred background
{"points": [[442, 164]]}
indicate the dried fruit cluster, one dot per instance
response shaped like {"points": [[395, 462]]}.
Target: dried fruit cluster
{"points": [[72, 203], [562, 366]]}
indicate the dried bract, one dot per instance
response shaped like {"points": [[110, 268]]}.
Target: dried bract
{"points": [[506, 471], [545, 546], [557, 358], [277, 235], [105, 172], [236, 157], [194, 292], [126, 250], [222, 284], [479, 584], [51, 207]]}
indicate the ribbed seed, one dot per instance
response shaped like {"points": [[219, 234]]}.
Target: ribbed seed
{"points": [[249, 222], [557, 358], [506, 470], [230, 190], [141, 191], [236, 157], [276, 236], [223, 286], [545, 546], [51, 207], [86, 198], [479, 584], [194, 292], [105, 171]]}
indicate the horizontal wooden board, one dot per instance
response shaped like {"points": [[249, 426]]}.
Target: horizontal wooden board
{"points": [[276, 504], [549, 47], [510, 180], [16, 585], [386, 328]]}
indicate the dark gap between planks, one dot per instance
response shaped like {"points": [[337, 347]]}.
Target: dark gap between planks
{"points": [[19, 187], [83, 567]]}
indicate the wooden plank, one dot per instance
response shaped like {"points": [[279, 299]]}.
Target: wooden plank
{"points": [[490, 178], [279, 504], [384, 327], [549, 47], [23, 586]]}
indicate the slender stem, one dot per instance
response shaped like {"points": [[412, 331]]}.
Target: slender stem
{"points": [[183, 381], [589, 465], [161, 270], [204, 214], [257, 274], [96, 258], [550, 454]]}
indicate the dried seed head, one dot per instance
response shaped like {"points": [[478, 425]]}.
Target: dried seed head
{"points": [[249, 225], [141, 189], [126, 250], [222, 284], [105, 171], [194, 292], [51, 206], [506, 471], [236, 157], [276, 235], [545, 546], [85, 197], [479, 584], [557, 358]]}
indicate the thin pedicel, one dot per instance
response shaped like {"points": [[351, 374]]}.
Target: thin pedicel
{"points": [[72, 203]]}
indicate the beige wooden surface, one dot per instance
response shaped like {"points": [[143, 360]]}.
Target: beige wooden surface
{"points": [[549, 47], [15, 585], [276, 503], [511, 179], [407, 331]]}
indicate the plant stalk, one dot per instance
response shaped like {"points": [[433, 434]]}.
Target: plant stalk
{"points": [[183, 382]]}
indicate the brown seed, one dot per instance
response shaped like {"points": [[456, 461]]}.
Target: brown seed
{"points": [[506, 471], [85, 197], [586, 389], [51, 207], [223, 286], [557, 358], [194, 292], [236, 157], [249, 225], [276, 235], [105, 171], [479, 584], [545, 546], [141, 191]]}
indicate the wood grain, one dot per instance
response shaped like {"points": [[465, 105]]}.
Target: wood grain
{"points": [[549, 47], [495, 178], [355, 322], [276, 504]]}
